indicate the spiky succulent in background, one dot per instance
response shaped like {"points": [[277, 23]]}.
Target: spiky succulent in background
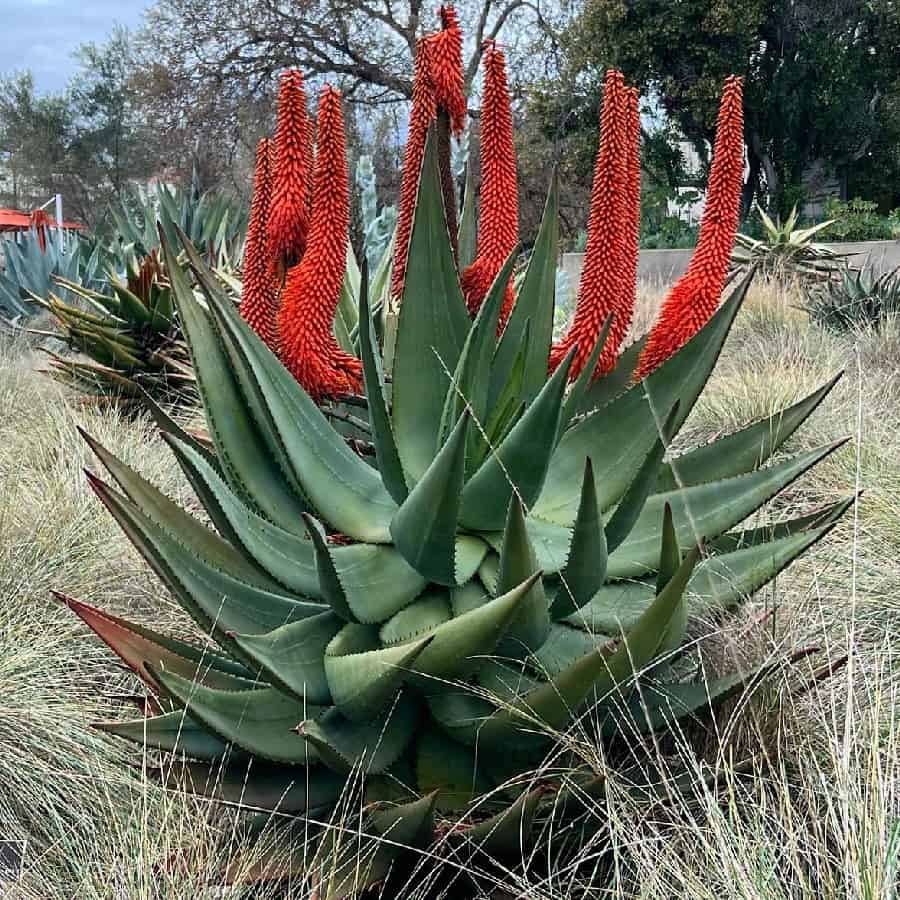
{"points": [[517, 560], [31, 264], [855, 299], [378, 227], [129, 337]]}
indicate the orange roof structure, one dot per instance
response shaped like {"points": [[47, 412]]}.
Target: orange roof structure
{"points": [[15, 220]]}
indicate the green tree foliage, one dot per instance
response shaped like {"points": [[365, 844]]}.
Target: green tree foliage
{"points": [[85, 143], [823, 78]]}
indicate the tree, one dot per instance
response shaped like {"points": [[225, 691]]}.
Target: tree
{"points": [[820, 75]]}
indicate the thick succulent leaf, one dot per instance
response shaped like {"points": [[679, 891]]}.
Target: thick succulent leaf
{"points": [[467, 234], [458, 712], [531, 625], [521, 461], [292, 656], [375, 579], [346, 491], [255, 785], [627, 511], [218, 601], [137, 645], [489, 570], [175, 521], [669, 561], [598, 672], [260, 721], [748, 537], [619, 436], [706, 509], [240, 448], [564, 646], [330, 586], [533, 311], [585, 569], [173, 732], [167, 425], [458, 647], [424, 528], [719, 582], [743, 450], [428, 611], [612, 385], [584, 379], [468, 388], [450, 770], [382, 430], [371, 746], [508, 833], [364, 678], [353, 863], [431, 330], [206, 497], [470, 551]]}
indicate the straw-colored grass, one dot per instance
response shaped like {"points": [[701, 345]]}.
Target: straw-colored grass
{"points": [[818, 815]]}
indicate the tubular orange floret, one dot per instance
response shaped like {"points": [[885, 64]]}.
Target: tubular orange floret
{"points": [[258, 300], [602, 278], [695, 297], [421, 116], [498, 218], [445, 68], [313, 287], [289, 212]]}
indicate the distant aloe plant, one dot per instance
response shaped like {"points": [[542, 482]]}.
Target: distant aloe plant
{"points": [[378, 228]]}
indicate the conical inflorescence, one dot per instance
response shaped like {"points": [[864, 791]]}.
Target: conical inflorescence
{"points": [[289, 212], [258, 298], [437, 90], [695, 297], [607, 283], [498, 221], [312, 290]]}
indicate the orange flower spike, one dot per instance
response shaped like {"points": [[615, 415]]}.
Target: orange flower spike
{"points": [[289, 212], [624, 311], [313, 287], [498, 225], [446, 69], [258, 299], [601, 287], [424, 109], [695, 297]]}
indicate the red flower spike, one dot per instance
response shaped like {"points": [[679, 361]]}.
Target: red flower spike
{"points": [[445, 69], [695, 297], [602, 278], [424, 109], [498, 225], [437, 86], [313, 287], [289, 212], [258, 301], [624, 311]]}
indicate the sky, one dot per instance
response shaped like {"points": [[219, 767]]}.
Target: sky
{"points": [[42, 35]]}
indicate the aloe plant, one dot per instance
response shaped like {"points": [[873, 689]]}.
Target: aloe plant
{"points": [[856, 299], [129, 336], [516, 558], [787, 250]]}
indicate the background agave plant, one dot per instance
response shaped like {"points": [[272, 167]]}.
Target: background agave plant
{"points": [[517, 560], [788, 251], [857, 299], [129, 336]]}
